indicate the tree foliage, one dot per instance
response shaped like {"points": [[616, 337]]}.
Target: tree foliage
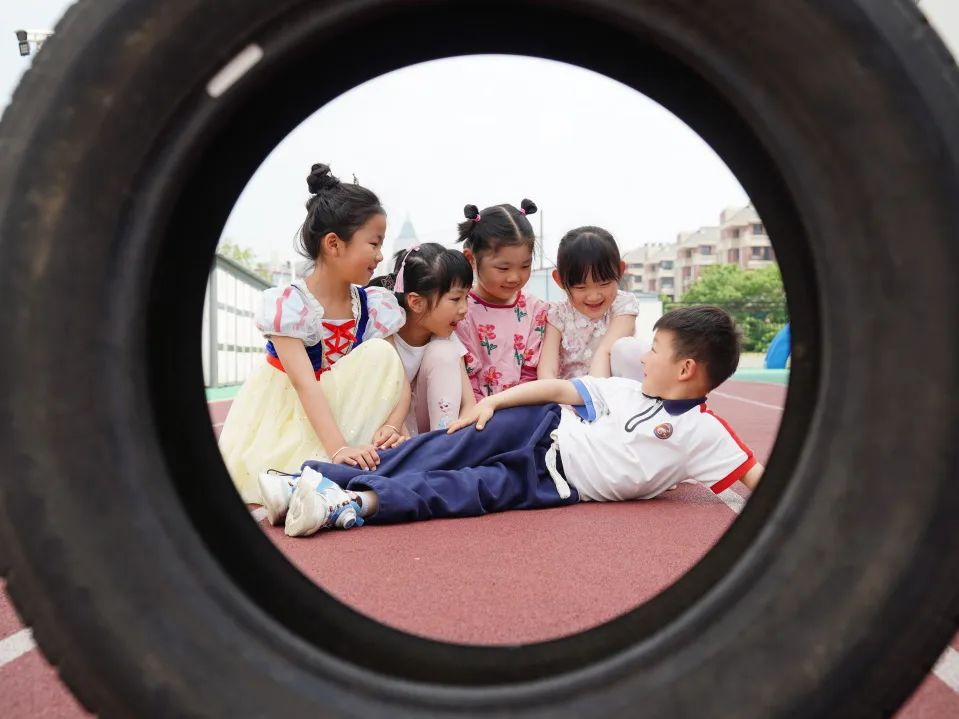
{"points": [[755, 298], [242, 256]]}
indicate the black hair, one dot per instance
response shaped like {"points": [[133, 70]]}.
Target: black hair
{"points": [[706, 334], [587, 252], [334, 207], [496, 226], [431, 270]]}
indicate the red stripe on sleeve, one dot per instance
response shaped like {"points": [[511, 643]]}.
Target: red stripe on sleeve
{"points": [[731, 478], [279, 309]]}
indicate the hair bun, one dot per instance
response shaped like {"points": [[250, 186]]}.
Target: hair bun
{"points": [[470, 212], [528, 206], [320, 179]]}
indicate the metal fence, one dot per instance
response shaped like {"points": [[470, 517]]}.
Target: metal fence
{"points": [[232, 345]]}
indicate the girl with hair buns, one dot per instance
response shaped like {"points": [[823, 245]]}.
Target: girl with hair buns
{"points": [[332, 385], [503, 329]]}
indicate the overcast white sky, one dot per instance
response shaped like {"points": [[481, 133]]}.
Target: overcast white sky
{"points": [[567, 139]]}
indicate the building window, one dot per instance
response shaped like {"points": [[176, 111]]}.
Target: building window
{"points": [[666, 265], [758, 228], [705, 249], [761, 253], [667, 283]]}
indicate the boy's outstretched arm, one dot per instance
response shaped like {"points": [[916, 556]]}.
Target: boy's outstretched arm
{"points": [[541, 391], [752, 477]]}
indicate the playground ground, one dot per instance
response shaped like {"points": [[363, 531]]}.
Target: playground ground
{"points": [[517, 576]]}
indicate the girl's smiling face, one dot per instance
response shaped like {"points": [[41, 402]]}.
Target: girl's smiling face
{"points": [[590, 298], [502, 273], [449, 309], [364, 251]]}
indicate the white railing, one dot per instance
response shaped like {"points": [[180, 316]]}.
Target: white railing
{"points": [[232, 345]]}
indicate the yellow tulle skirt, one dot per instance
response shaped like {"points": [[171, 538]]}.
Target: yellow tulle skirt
{"points": [[267, 427]]}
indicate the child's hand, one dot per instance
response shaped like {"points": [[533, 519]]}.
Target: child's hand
{"points": [[364, 457], [479, 414], [387, 436]]}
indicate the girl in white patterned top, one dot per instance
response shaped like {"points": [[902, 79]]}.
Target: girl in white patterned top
{"points": [[582, 332]]}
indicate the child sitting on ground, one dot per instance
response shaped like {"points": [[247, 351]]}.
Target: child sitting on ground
{"points": [[503, 329], [618, 440], [331, 386], [584, 334], [431, 284]]}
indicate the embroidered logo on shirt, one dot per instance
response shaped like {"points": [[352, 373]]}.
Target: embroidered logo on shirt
{"points": [[664, 430]]}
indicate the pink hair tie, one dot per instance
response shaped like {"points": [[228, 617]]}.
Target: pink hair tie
{"points": [[522, 211], [477, 218], [399, 286]]}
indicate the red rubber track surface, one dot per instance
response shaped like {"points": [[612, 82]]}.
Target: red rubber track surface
{"points": [[516, 576]]}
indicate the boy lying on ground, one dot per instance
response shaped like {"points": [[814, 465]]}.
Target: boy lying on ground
{"points": [[548, 443]]}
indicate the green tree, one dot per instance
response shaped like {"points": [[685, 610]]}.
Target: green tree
{"points": [[242, 256], [755, 298]]}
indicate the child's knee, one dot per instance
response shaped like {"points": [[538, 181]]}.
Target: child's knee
{"points": [[441, 353], [378, 350], [626, 356]]}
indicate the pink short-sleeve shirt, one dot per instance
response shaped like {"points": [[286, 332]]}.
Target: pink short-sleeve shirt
{"points": [[502, 342]]}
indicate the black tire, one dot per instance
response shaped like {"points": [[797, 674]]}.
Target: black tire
{"points": [[840, 119]]}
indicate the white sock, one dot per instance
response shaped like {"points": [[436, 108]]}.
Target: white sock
{"points": [[367, 500]]}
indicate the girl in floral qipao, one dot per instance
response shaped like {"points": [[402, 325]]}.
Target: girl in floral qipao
{"points": [[591, 333]]}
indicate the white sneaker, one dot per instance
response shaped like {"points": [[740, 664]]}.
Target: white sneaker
{"points": [[318, 503], [275, 493]]}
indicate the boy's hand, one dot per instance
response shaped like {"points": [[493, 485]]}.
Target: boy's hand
{"points": [[387, 436], [479, 414], [364, 457]]}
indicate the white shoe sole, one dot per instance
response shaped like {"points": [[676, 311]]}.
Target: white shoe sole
{"points": [[273, 495]]}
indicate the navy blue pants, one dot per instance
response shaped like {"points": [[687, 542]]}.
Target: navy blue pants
{"points": [[464, 474]]}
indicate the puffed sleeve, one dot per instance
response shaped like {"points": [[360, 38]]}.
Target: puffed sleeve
{"points": [[557, 314], [625, 304], [386, 315], [285, 311]]}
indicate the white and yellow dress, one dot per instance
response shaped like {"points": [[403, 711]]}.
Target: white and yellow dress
{"points": [[359, 371]]}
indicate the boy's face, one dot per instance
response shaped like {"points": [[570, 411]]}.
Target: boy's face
{"points": [[662, 370]]}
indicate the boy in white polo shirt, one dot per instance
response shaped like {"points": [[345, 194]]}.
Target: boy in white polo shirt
{"points": [[550, 442]]}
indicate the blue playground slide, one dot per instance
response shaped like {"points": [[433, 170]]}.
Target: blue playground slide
{"points": [[778, 351]]}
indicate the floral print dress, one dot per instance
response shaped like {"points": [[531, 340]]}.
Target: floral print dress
{"points": [[502, 342]]}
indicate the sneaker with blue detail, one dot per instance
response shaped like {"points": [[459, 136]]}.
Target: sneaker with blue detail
{"points": [[318, 503]]}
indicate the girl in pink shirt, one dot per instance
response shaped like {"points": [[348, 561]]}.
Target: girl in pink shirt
{"points": [[503, 329]]}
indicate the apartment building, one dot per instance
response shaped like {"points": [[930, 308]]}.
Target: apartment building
{"points": [[743, 240], [650, 269], [694, 251], [670, 269]]}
